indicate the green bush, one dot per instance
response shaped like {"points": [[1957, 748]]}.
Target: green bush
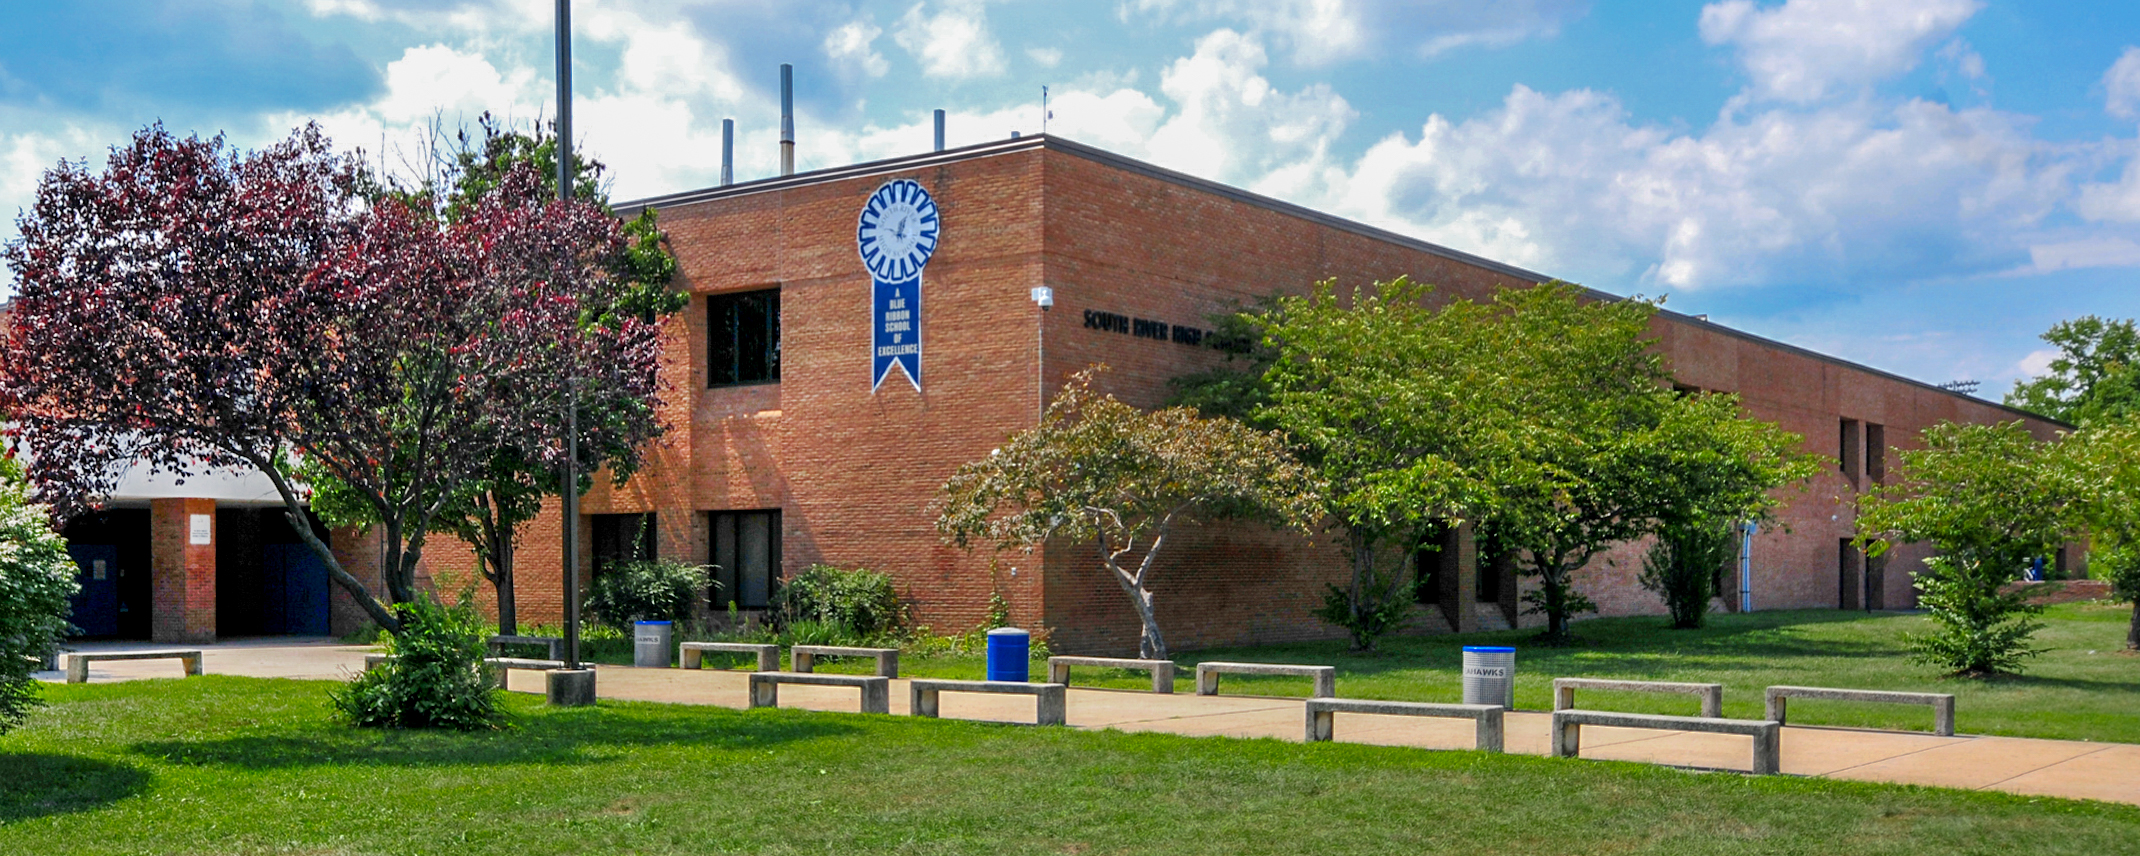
{"points": [[657, 590], [36, 579], [1978, 628], [436, 678], [1681, 568], [860, 602]]}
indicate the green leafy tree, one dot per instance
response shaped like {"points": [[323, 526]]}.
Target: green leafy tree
{"points": [[36, 579], [490, 510], [1681, 567], [2095, 377], [1991, 498], [2104, 462], [1098, 470], [1383, 397]]}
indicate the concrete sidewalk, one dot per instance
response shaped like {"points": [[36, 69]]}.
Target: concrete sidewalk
{"points": [[2059, 768]]}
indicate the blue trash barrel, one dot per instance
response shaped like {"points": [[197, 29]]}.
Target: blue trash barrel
{"points": [[1008, 652]]}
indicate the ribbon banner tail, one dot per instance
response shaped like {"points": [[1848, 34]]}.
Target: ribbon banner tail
{"points": [[897, 333]]}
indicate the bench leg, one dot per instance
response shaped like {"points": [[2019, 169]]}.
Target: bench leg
{"points": [[1489, 732], [193, 665], [764, 694], [920, 702], [1943, 717], [1059, 673], [1567, 739], [77, 670], [1563, 698], [688, 658], [499, 673], [769, 659], [1052, 706], [1163, 680], [1321, 725], [877, 698], [800, 661], [1767, 749], [888, 665], [1326, 685], [1713, 704], [1775, 707], [1207, 681]]}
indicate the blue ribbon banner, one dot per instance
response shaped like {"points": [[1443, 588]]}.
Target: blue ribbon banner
{"points": [[898, 329]]}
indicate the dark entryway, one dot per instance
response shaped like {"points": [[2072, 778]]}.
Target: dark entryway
{"points": [[111, 554], [268, 582]]}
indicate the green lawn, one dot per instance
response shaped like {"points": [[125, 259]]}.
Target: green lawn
{"points": [[229, 765], [2086, 687]]}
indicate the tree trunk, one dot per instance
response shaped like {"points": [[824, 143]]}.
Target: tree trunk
{"points": [[1150, 645], [2132, 631], [508, 615]]}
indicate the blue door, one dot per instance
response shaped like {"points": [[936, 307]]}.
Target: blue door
{"points": [[96, 606], [295, 590]]}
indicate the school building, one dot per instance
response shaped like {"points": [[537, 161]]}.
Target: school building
{"points": [[855, 334]]}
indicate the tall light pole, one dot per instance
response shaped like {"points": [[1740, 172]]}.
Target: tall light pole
{"points": [[575, 685]]}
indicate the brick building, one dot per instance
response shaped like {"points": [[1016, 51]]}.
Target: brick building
{"points": [[781, 454]]}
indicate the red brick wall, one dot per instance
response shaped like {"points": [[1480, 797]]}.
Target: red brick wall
{"points": [[855, 473], [182, 574]]}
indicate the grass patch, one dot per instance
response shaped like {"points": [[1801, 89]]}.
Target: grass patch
{"points": [[236, 765]]}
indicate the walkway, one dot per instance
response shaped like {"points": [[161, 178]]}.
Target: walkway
{"points": [[2059, 768]]}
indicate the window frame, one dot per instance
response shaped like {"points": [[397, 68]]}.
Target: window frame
{"points": [[725, 361]]}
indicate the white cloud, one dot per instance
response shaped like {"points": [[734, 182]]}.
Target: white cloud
{"points": [[2121, 85], [2107, 251], [1045, 57], [2037, 363], [1321, 32], [1570, 184], [851, 48], [954, 43], [1805, 50]]}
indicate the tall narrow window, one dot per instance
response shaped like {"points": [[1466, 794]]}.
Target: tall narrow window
{"points": [[621, 538], [1876, 453], [746, 556], [743, 338], [1847, 456]]}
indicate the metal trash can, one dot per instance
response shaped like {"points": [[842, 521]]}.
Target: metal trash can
{"points": [[652, 643], [1009, 650], [1490, 675]]}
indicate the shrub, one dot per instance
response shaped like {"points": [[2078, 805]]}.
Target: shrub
{"points": [[1979, 628], [656, 590], [436, 678], [860, 602], [36, 579], [1383, 606], [1681, 568]]}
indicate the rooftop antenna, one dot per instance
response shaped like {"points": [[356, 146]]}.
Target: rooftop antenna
{"points": [[1045, 113], [1965, 387], [939, 130], [787, 119]]}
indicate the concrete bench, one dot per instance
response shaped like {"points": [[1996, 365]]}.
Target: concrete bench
{"points": [[1162, 670], [802, 657], [1050, 702], [78, 664], [1942, 704], [1207, 675], [876, 689], [1322, 716], [1766, 733], [555, 644], [689, 654], [1712, 695], [500, 665]]}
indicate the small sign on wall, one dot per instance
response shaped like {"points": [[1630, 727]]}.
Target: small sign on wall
{"points": [[197, 529]]}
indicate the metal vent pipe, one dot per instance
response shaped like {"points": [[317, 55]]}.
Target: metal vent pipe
{"points": [[939, 130], [728, 152], [787, 119]]}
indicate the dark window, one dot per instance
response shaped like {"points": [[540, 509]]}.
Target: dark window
{"points": [[746, 557], [622, 538], [1876, 453], [1847, 444], [1427, 567], [743, 338]]}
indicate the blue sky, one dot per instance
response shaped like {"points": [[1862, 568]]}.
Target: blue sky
{"points": [[1920, 185]]}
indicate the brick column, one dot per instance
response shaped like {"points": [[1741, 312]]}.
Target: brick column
{"points": [[181, 572], [1460, 578]]}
